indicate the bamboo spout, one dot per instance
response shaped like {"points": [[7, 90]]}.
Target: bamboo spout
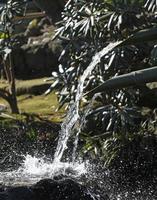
{"points": [[126, 80]]}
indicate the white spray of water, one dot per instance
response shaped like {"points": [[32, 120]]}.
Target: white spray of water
{"points": [[34, 169]]}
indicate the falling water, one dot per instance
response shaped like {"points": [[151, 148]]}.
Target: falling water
{"points": [[73, 114]]}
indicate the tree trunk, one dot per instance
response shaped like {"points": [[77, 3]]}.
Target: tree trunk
{"points": [[10, 95], [13, 105]]}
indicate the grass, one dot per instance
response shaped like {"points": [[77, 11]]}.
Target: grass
{"points": [[41, 105]]}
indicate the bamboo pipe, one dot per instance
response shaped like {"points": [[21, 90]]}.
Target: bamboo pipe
{"points": [[134, 78]]}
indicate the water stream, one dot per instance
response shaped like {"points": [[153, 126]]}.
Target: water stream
{"points": [[73, 114]]}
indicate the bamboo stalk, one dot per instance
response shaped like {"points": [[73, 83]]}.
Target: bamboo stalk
{"points": [[131, 79]]}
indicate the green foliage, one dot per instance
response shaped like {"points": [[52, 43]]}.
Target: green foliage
{"points": [[3, 35], [8, 12], [32, 134], [87, 27]]}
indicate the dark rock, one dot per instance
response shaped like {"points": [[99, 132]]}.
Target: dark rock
{"points": [[19, 193], [36, 59], [35, 55], [4, 196], [60, 190], [48, 189]]}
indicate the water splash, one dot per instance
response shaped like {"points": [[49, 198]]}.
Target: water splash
{"points": [[34, 169], [73, 114]]}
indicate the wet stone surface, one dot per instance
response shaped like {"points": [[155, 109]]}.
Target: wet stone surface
{"points": [[48, 189]]}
